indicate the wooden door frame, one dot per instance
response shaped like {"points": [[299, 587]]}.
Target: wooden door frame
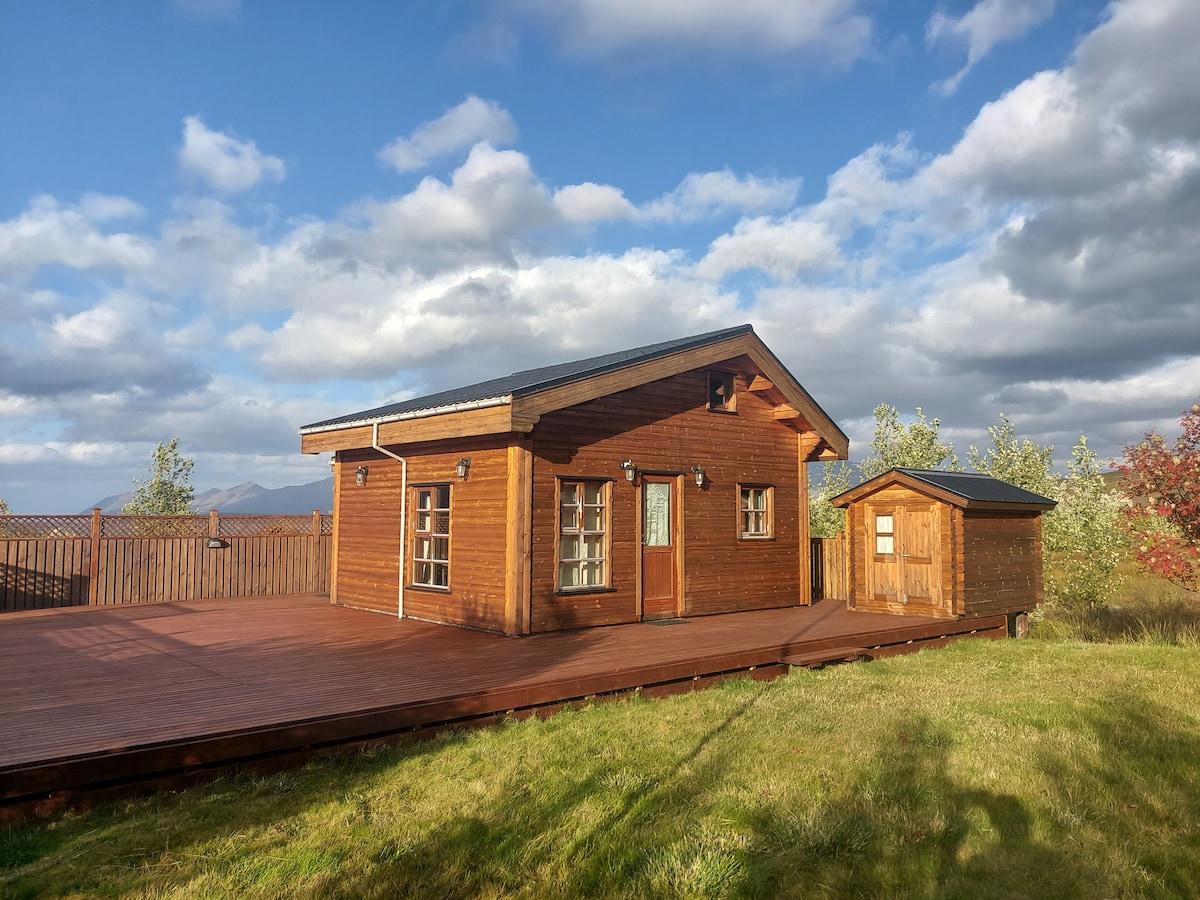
{"points": [[675, 479]]}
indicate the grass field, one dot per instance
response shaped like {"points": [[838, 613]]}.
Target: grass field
{"points": [[1039, 768]]}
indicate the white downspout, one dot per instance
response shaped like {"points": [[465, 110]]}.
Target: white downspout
{"points": [[403, 501]]}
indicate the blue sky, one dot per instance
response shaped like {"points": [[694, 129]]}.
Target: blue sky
{"points": [[222, 220]]}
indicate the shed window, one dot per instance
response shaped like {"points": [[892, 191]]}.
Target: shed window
{"points": [[720, 391], [582, 535], [431, 536], [756, 511], [885, 535]]}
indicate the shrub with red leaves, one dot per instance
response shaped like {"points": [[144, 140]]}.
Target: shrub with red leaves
{"points": [[1162, 482]]}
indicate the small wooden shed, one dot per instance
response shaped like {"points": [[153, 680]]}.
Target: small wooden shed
{"points": [[952, 544]]}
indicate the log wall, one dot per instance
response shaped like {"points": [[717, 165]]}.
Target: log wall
{"points": [[1001, 563], [665, 427], [368, 539]]}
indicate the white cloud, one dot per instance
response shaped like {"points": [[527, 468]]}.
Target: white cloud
{"points": [[586, 203], [227, 164], [985, 25], [472, 121], [52, 233], [782, 249], [830, 30], [703, 195]]}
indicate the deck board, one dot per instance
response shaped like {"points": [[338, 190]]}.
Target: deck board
{"points": [[119, 694]]}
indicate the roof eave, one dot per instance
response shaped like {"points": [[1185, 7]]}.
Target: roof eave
{"points": [[428, 412]]}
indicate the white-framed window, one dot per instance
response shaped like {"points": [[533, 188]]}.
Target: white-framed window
{"points": [[583, 534], [885, 534], [756, 511], [431, 536]]}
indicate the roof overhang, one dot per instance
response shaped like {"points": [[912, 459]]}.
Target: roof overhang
{"points": [[519, 412], [895, 477]]}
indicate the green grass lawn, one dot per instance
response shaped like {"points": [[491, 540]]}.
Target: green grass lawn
{"points": [[1038, 768]]}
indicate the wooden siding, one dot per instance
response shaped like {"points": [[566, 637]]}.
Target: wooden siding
{"points": [[57, 561], [368, 555], [1002, 563], [664, 427]]}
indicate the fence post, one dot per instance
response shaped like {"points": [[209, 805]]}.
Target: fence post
{"points": [[94, 562], [214, 523], [314, 552]]}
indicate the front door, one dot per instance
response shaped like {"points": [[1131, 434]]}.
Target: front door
{"points": [[659, 543], [905, 540]]}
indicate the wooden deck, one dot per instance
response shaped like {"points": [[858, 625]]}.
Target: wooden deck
{"points": [[95, 699]]}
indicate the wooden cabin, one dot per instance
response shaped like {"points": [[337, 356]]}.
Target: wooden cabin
{"points": [[952, 544], [665, 481]]}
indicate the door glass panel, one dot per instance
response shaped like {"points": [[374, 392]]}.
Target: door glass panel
{"points": [[656, 504]]}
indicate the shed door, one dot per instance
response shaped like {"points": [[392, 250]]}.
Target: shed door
{"points": [[906, 558], [659, 544]]}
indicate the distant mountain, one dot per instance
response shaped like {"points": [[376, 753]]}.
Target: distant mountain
{"points": [[248, 499]]}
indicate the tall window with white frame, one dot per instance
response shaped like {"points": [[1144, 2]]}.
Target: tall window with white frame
{"points": [[582, 535], [756, 512], [431, 536]]}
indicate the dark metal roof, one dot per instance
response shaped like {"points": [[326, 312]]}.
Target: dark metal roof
{"points": [[530, 381], [977, 488]]}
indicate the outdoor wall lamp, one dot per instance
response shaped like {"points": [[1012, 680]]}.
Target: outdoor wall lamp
{"points": [[631, 471], [698, 471], [360, 475], [215, 543], [462, 467]]}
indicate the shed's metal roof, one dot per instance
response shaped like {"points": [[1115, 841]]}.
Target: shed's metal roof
{"points": [[530, 381], [975, 487]]}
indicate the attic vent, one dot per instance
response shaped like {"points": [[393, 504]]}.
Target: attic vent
{"points": [[720, 391]]}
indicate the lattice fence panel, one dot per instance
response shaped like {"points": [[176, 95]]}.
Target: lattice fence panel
{"points": [[34, 527], [259, 526], [154, 526]]}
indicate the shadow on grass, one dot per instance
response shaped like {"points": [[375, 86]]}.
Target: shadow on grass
{"points": [[904, 827], [1129, 799], [1110, 811]]}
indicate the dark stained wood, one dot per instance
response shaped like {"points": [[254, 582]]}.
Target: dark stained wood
{"points": [[99, 697]]}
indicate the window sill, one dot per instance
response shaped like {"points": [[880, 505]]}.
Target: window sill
{"points": [[756, 538], [427, 588], [576, 591]]}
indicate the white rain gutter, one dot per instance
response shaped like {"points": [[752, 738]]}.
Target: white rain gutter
{"points": [[413, 414], [403, 498]]}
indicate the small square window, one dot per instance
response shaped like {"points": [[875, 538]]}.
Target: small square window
{"points": [[720, 391], [885, 535], [756, 512]]}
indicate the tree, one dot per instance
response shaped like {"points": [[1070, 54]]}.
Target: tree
{"points": [[1082, 540], [3, 507], [824, 519], [1023, 463], [916, 445], [167, 492], [1162, 483]]}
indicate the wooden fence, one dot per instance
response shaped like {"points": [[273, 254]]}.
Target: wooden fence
{"points": [[98, 560], [830, 568]]}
